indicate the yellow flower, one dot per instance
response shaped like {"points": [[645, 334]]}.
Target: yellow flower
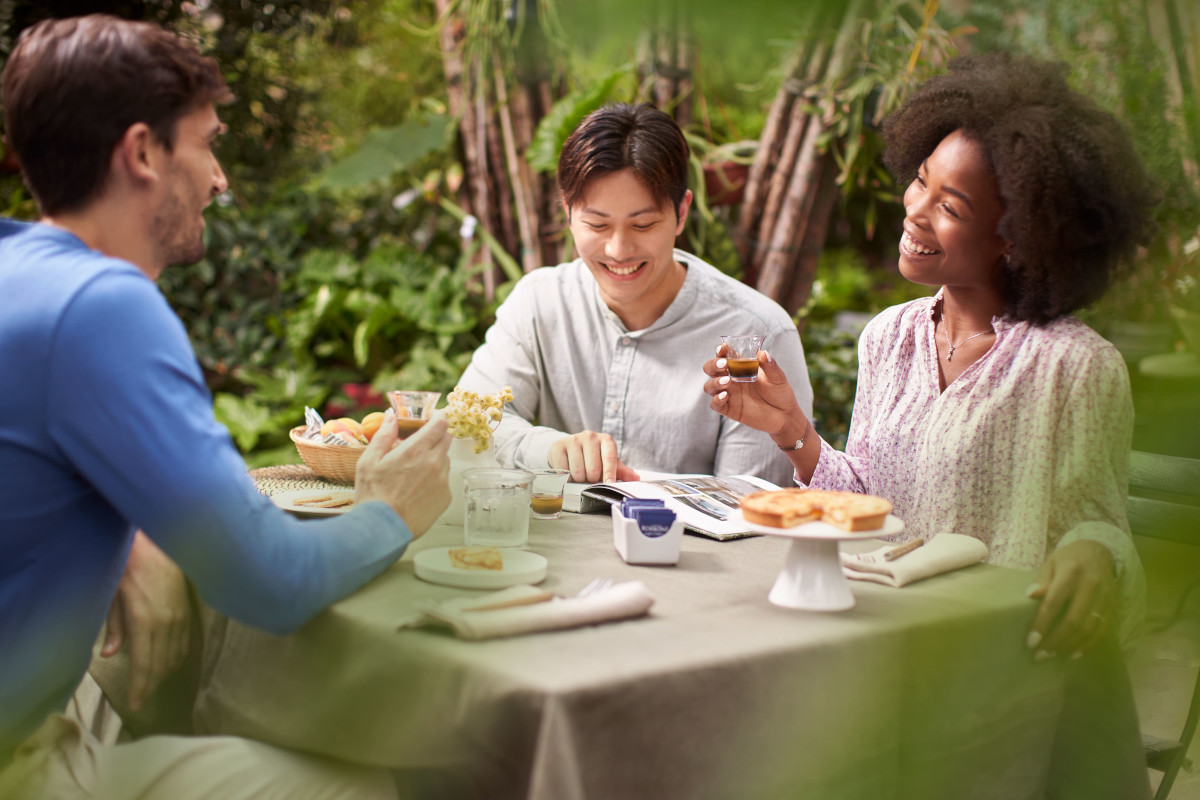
{"points": [[472, 416]]}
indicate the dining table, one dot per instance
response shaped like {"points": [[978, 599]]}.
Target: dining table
{"points": [[925, 691]]}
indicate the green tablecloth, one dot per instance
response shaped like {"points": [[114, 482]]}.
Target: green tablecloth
{"points": [[921, 692]]}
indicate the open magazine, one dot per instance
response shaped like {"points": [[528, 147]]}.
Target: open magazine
{"points": [[704, 503]]}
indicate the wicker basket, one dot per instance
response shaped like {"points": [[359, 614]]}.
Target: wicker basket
{"points": [[331, 461]]}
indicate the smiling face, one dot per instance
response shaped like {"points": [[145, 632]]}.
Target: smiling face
{"points": [[627, 241], [952, 210], [191, 180]]}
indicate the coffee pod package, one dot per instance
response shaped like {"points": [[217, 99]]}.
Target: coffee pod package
{"points": [[646, 532]]}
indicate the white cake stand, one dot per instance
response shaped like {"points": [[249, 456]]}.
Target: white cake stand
{"points": [[812, 577]]}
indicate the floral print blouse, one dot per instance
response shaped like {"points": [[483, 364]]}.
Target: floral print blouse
{"points": [[1027, 450]]}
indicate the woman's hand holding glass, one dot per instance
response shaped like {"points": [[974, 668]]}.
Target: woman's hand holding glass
{"points": [[768, 404]]}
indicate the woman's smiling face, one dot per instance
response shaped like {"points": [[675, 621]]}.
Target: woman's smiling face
{"points": [[952, 210]]}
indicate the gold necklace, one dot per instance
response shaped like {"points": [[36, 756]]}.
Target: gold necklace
{"points": [[950, 346]]}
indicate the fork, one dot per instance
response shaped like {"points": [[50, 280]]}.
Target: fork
{"points": [[597, 585]]}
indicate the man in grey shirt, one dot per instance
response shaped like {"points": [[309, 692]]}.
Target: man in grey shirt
{"points": [[604, 353]]}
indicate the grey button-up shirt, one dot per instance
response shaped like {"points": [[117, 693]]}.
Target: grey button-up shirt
{"points": [[573, 366]]}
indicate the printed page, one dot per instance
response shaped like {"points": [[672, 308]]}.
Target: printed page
{"points": [[703, 502]]}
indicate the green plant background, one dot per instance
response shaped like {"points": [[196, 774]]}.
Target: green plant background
{"points": [[336, 256]]}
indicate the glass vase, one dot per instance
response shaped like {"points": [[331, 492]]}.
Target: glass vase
{"points": [[464, 457]]}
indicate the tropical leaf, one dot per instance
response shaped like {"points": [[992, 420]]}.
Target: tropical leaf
{"points": [[385, 151], [564, 117], [245, 418]]}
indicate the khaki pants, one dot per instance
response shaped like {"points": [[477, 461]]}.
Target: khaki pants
{"points": [[66, 758]]}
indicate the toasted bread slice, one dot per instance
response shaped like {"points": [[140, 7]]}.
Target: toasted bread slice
{"points": [[334, 502], [343, 500]]}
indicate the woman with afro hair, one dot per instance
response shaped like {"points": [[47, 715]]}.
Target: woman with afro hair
{"points": [[988, 409]]}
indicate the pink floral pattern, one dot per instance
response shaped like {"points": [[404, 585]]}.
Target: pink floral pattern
{"points": [[1026, 451]]}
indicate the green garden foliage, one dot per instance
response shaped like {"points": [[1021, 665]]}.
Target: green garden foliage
{"points": [[336, 257]]}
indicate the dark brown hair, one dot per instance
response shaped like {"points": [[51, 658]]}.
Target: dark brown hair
{"points": [[1077, 199], [72, 88], [622, 136]]}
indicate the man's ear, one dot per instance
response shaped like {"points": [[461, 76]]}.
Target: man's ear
{"points": [[138, 154], [684, 205]]}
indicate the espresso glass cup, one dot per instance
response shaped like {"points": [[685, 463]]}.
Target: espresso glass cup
{"points": [[413, 409], [741, 357], [546, 501]]}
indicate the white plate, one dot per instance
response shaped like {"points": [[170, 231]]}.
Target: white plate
{"points": [[287, 501], [821, 530], [520, 566]]}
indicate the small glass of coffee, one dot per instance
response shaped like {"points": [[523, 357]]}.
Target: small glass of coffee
{"points": [[741, 357], [413, 409], [546, 500]]}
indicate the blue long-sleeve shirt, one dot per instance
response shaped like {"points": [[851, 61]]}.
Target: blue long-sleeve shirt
{"points": [[106, 426]]}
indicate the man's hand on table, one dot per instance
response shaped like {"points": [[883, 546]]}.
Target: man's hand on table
{"points": [[152, 612], [1077, 585], [591, 457], [412, 476]]}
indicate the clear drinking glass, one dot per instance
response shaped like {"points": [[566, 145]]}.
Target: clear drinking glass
{"points": [[547, 497], [497, 507], [742, 356], [413, 409]]}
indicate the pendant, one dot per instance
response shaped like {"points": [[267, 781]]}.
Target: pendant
{"points": [[950, 353]]}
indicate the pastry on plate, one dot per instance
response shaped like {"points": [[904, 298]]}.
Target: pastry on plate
{"points": [[787, 508], [476, 558]]}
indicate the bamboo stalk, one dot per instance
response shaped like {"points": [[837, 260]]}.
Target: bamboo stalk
{"points": [[797, 129], [776, 275], [812, 242], [531, 100], [553, 244], [775, 278], [766, 156], [683, 62], [502, 190], [480, 200], [1178, 53], [458, 93], [764, 160], [525, 224], [523, 129], [664, 54]]}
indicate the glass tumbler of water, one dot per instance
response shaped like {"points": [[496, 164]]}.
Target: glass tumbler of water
{"points": [[497, 507]]}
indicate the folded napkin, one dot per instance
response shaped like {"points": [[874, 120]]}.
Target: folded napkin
{"points": [[526, 609], [942, 553]]}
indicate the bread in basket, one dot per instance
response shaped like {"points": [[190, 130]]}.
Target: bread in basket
{"points": [[331, 461]]}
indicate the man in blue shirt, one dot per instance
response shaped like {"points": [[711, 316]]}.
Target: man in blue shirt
{"points": [[10, 226], [106, 425]]}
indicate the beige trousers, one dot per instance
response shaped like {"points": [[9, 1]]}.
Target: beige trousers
{"points": [[66, 759]]}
